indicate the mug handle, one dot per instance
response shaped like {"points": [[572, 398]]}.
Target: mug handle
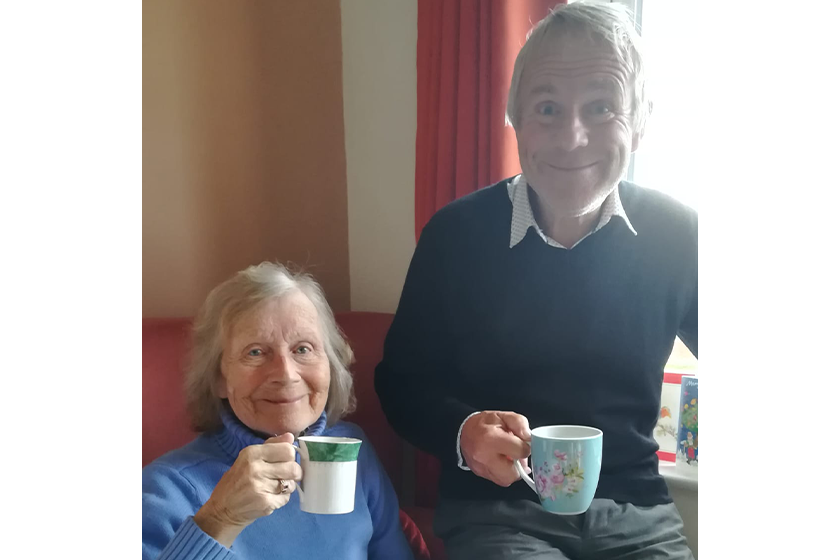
{"points": [[299, 484], [523, 475]]}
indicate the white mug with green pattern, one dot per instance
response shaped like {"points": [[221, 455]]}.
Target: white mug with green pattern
{"points": [[329, 473]]}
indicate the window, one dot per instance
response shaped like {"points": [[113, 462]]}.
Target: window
{"points": [[666, 156]]}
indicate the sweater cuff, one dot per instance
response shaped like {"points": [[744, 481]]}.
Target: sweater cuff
{"points": [[191, 543], [461, 464]]}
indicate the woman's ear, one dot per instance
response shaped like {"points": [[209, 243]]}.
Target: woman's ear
{"points": [[220, 386]]}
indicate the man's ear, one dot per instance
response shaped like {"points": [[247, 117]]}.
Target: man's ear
{"points": [[640, 133], [637, 138]]}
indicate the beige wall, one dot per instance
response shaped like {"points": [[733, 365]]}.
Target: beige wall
{"points": [[379, 39], [243, 146]]}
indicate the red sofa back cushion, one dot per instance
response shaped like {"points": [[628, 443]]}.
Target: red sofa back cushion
{"points": [[166, 426]]}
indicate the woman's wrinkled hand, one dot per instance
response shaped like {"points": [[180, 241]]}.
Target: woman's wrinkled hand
{"points": [[251, 489]]}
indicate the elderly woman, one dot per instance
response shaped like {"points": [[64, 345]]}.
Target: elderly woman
{"points": [[269, 364]]}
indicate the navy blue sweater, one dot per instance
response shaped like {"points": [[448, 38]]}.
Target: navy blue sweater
{"points": [[575, 336]]}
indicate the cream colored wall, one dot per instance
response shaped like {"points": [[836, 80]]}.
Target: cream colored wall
{"points": [[379, 40], [243, 146]]}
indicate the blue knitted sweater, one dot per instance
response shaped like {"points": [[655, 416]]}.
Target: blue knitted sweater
{"points": [[177, 484]]}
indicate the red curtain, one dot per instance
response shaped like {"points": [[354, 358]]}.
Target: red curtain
{"points": [[465, 55]]}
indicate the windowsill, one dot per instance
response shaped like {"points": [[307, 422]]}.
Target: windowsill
{"points": [[682, 479]]}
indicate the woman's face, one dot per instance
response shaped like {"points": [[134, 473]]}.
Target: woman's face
{"points": [[275, 371]]}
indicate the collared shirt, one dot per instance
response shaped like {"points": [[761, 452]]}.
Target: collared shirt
{"points": [[523, 215]]}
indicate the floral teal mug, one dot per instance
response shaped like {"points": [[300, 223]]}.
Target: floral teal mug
{"points": [[566, 464]]}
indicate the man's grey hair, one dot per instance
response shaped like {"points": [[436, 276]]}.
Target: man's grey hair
{"points": [[229, 302], [609, 23]]}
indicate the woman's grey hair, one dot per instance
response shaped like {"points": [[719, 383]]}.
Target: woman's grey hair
{"points": [[233, 299], [610, 23]]}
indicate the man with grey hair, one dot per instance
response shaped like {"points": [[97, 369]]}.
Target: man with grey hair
{"points": [[553, 297]]}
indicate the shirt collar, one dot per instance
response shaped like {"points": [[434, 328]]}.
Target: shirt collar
{"points": [[523, 216]]}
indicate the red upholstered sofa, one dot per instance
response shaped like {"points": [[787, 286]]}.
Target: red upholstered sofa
{"points": [[166, 427]]}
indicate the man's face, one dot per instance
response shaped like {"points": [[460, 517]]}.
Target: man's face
{"points": [[575, 130]]}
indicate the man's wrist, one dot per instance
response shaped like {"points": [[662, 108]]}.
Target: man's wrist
{"points": [[461, 463]]}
